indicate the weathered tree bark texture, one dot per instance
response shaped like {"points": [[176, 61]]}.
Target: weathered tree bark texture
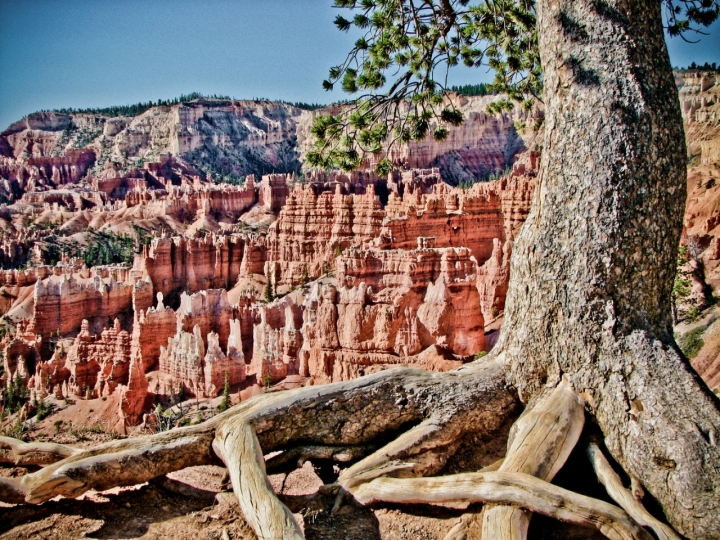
{"points": [[609, 478], [593, 266], [33, 453], [539, 445], [518, 489]]}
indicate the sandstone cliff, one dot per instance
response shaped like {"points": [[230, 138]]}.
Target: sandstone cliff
{"points": [[234, 138]]}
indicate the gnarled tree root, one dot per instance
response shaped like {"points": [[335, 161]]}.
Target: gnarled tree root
{"points": [[428, 414], [356, 415], [516, 489], [33, 453], [117, 463], [539, 444], [609, 478]]}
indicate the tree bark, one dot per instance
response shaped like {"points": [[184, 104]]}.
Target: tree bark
{"points": [[593, 267]]}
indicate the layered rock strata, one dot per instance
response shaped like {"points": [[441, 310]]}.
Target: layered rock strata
{"points": [[198, 369], [192, 264], [98, 363], [62, 303]]}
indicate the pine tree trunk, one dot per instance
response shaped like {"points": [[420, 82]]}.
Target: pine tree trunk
{"points": [[593, 268]]}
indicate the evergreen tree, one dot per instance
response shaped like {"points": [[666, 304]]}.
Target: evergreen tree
{"points": [[573, 55], [268, 287], [304, 279], [225, 403], [399, 67]]}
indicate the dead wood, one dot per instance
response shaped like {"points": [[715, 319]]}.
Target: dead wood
{"points": [[540, 443], [624, 497], [516, 489], [33, 453]]}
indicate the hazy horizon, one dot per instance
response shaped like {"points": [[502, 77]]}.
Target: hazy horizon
{"points": [[88, 54]]}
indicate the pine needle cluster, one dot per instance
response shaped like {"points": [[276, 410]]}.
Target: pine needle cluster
{"points": [[398, 69]]}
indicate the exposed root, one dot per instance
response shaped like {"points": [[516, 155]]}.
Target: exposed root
{"points": [[353, 415], [459, 531], [540, 443], [343, 421], [33, 453], [117, 463], [516, 489], [422, 450], [624, 497], [238, 446]]}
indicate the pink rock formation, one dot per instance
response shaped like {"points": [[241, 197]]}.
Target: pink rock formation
{"points": [[700, 102], [21, 354], [200, 371], [188, 199], [274, 191], [276, 342], [453, 219], [151, 330], [182, 264], [50, 375], [493, 278], [98, 364], [425, 296], [390, 307], [312, 228], [62, 303], [44, 170], [134, 396], [219, 366]]}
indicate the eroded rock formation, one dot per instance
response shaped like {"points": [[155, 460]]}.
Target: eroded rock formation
{"points": [[390, 294], [364, 272]]}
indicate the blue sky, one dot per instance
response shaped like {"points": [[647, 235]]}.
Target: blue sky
{"points": [[96, 53]]}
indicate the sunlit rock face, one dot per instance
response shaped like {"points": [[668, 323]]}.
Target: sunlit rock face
{"points": [[365, 272]]}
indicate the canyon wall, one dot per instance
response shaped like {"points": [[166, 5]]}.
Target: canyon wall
{"points": [[483, 145], [700, 103], [235, 138], [62, 303], [192, 264]]}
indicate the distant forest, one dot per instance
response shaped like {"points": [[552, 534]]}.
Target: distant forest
{"points": [[139, 108], [700, 67], [481, 89]]}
